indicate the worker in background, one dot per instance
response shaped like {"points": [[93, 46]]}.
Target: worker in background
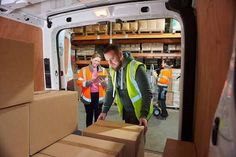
{"points": [[163, 81], [93, 88], [128, 85]]}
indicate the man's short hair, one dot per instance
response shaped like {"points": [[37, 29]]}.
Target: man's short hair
{"points": [[112, 47]]}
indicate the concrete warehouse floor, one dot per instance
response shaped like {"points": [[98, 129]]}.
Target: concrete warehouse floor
{"points": [[158, 131]]}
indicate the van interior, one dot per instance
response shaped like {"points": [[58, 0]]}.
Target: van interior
{"points": [[45, 43]]}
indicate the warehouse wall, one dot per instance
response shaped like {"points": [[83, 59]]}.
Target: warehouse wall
{"points": [[18, 31], [215, 22]]}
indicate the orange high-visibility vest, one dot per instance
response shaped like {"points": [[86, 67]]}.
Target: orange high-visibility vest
{"points": [[164, 77], [85, 74]]}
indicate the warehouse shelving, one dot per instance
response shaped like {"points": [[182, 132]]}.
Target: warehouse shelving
{"points": [[138, 55]]}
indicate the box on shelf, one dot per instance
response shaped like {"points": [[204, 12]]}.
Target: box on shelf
{"points": [[152, 25], [53, 115], [146, 46], [16, 74], [130, 135], [103, 28], [14, 131], [157, 46], [160, 25], [116, 26], [143, 25], [78, 30], [95, 28], [133, 26], [125, 47], [84, 50], [89, 29], [125, 26], [134, 47]]}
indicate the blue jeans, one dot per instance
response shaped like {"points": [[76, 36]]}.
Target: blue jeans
{"points": [[162, 90]]}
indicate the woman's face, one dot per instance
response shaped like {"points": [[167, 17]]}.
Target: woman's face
{"points": [[95, 61]]}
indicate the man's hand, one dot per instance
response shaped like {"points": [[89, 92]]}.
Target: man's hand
{"points": [[102, 116], [143, 122]]}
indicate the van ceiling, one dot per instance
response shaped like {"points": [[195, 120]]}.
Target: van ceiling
{"points": [[44, 8]]}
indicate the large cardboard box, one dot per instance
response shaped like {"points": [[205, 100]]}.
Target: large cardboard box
{"points": [[169, 98], [16, 81], [14, 131], [73, 146], [130, 135], [40, 155], [53, 115]]}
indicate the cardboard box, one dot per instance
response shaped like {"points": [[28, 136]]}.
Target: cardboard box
{"points": [[95, 28], [17, 80], [40, 155], [130, 135], [74, 145], [169, 98], [125, 26], [152, 25], [53, 115], [108, 147], [89, 29], [103, 28], [116, 26], [79, 30], [14, 131], [143, 25], [160, 25], [134, 26]]}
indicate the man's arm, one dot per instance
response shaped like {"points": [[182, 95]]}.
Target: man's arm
{"points": [[144, 86], [108, 97]]}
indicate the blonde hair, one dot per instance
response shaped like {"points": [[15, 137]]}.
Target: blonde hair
{"points": [[96, 55]]}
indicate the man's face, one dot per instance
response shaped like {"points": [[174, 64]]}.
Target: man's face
{"points": [[114, 60]]}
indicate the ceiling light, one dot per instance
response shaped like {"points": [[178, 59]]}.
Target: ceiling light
{"points": [[101, 12]]}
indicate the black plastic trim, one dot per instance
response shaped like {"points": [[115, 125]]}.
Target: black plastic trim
{"points": [[184, 8]]}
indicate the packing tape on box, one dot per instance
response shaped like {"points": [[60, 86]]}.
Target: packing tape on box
{"points": [[87, 146], [117, 127]]}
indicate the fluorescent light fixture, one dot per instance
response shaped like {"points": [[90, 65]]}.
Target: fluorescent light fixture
{"points": [[101, 12], [21, 3]]}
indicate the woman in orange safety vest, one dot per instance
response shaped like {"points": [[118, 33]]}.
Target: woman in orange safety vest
{"points": [[163, 82], [93, 88]]}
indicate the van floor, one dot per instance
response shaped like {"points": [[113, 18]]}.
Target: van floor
{"points": [[158, 130]]}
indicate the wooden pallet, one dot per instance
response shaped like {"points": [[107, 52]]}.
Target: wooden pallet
{"points": [[149, 32], [124, 32], [95, 33]]}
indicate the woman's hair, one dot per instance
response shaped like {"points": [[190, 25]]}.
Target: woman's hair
{"points": [[96, 55]]}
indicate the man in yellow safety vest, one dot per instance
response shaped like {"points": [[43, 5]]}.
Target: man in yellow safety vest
{"points": [[128, 85]]}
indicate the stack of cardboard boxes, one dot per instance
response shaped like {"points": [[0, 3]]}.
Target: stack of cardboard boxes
{"points": [[132, 136], [16, 91], [40, 124]]}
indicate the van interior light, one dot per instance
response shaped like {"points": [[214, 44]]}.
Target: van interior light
{"points": [[22, 2], [101, 12]]}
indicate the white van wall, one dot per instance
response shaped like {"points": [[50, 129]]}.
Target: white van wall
{"points": [[127, 11]]}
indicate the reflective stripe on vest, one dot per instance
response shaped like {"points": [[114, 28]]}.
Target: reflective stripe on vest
{"points": [[139, 96], [84, 75], [85, 99]]}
